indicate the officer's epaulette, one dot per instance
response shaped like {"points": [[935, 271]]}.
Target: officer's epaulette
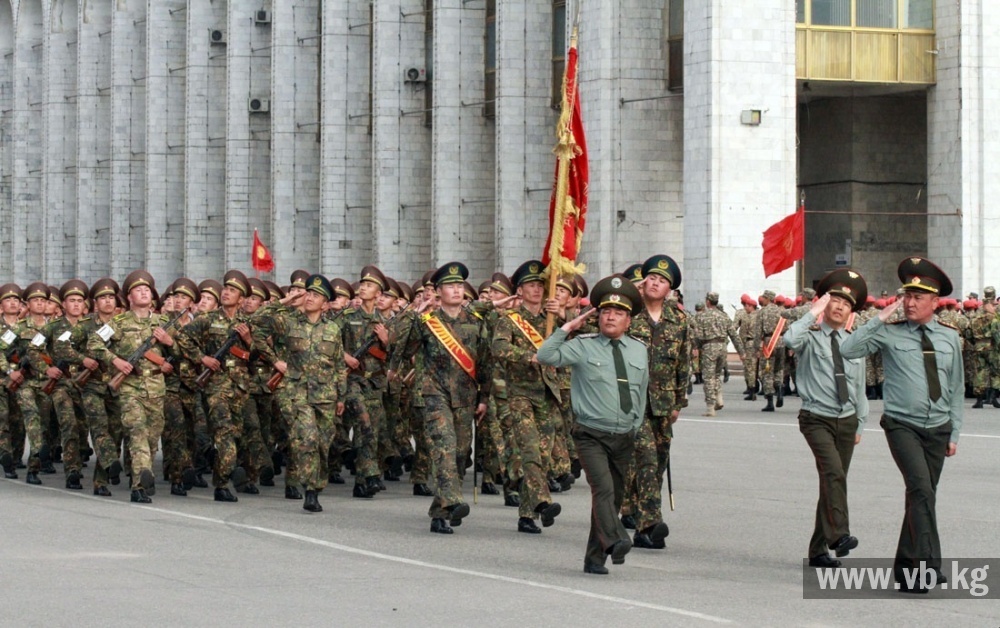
{"points": [[643, 343], [592, 336], [814, 328], [948, 324], [120, 317], [677, 307], [899, 322]]}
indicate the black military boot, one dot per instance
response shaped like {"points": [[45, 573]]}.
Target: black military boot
{"points": [[422, 490], [979, 401], [312, 502], [178, 489], [780, 401], [292, 492], [225, 495], [878, 391], [139, 497], [9, 470], [994, 397], [698, 379], [73, 481], [770, 404]]}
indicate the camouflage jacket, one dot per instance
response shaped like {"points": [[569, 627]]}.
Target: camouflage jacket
{"points": [[10, 342], [314, 354], [439, 372], [204, 336], [119, 338], [31, 349], [513, 351], [65, 348], [980, 332], [357, 326], [185, 371], [669, 343], [744, 322], [714, 325], [767, 320]]}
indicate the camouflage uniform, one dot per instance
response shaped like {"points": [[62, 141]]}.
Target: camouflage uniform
{"points": [[316, 379], [533, 400], [68, 356], [365, 386], [744, 322], [450, 397], [226, 390], [6, 448], [711, 332], [34, 404], [980, 337], [142, 392], [180, 417], [771, 368], [669, 346], [101, 406], [13, 424]]}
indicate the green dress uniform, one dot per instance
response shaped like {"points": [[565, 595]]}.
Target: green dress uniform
{"points": [[924, 393]]}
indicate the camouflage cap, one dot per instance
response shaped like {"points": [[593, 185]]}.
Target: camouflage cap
{"points": [[808, 294], [699, 307], [989, 293], [712, 297], [767, 294]]}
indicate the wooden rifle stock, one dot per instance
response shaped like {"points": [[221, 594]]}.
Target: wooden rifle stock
{"points": [[275, 380], [227, 347]]}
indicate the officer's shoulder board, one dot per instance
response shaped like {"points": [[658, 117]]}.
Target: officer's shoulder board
{"points": [[814, 327], [899, 322], [948, 324], [643, 343], [591, 335]]}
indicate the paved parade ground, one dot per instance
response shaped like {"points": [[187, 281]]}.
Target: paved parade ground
{"points": [[745, 489]]}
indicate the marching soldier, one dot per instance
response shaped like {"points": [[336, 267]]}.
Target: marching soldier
{"points": [[532, 395], [143, 388], [201, 341], [712, 332], [182, 406], [455, 383], [11, 427], [35, 405], [744, 322], [768, 343]]}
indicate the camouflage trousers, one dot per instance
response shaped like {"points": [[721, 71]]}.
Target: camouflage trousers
{"points": [[644, 484], [311, 432], [6, 449], [69, 410], [749, 364], [368, 414], [254, 453], [286, 406], [873, 369], [528, 416], [490, 447], [142, 421], [15, 424], [969, 364], [34, 405], [981, 375], [772, 371], [448, 432], [397, 432], [713, 361], [177, 424], [103, 413], [421, 471], [510, 457], [226, 404]]}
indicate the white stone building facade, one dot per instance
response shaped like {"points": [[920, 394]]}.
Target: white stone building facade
{"points": [[161, 133]]}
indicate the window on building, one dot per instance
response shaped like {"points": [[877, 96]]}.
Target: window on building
{"points": [[675, 45], [831, 12], [371, 67], [800, 11], [918, 14], [876, 13], [558, 50], [429, 62], [490, 59]]}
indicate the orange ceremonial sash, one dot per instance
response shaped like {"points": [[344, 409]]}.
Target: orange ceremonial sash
{"points": [[527, 329], [451, 344], [769, 349]]}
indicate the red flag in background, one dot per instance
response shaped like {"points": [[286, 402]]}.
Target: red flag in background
{"points": [[568, 205], [784, 243], [260, 257]]}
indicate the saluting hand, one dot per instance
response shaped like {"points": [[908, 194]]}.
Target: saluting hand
{"points": [[888, 311], [819, 305], [575, 324]]}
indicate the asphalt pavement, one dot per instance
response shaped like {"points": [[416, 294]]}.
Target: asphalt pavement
{"points": [[745, 488]]}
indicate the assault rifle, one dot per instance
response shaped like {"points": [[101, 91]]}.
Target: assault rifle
{"points": [[229, 346], [145, 350], [368, 346]]}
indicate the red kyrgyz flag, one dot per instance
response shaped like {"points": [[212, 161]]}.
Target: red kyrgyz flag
{"points": [[260, 257], [784, 243], [568, 205]]}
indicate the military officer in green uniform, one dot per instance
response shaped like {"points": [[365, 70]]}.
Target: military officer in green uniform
{"points": [[609, 387], [924, 390], [834, 405]]}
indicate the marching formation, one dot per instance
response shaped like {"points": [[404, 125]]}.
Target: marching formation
{"points": [[246, 381]]}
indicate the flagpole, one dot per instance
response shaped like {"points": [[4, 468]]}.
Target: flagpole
{"points": [[802, 262]]}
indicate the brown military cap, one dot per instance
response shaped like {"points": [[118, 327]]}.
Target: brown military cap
{"points": [[418, 286], [486, 285], [54, 295], [212, 287], [501, 283], [581, 285], [428, 279], [274, 289], [73, 287], [10, 290], [103, 286], [138, 278], [299, 278], [408, 293], [236, 279], [393, 288], [259, 289], [187, 287], [342, 288], [374, 275], [469, 291], [566, 281], [35, 290]]}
